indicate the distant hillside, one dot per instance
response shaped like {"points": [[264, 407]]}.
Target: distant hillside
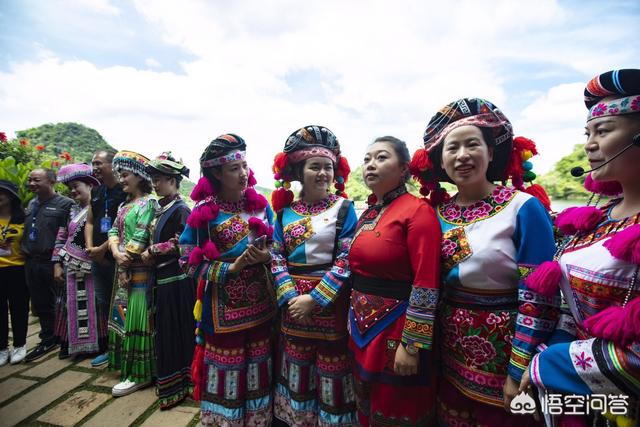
{"points": [[559, 183], [78, 140]]}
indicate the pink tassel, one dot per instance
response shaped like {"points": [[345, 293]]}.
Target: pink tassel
{"points": [[202, 190], [253, 200], [257, 226], [196, 256], [545, 279], [196, 219], [202, 214], [210, 250], [252, 179], [575, 219], [605, 188], [618, 324], [625, 244]]}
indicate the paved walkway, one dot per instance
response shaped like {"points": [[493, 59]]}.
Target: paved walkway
{"points": [[53, 392]]}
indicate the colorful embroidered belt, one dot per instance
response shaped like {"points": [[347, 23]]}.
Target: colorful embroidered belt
{"points": [[481, 298], [381, 287]]}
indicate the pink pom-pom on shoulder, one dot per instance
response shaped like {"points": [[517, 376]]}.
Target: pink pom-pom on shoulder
{"points": [[196, 256], [210, 250], [202, 190], [202, 214], [253, 201], [605, 188], [618, 324], [625, 244], [575, 219], [545, 279]]}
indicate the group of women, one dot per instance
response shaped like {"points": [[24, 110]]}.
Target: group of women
{"points": [[423, 311], [149, 329]]}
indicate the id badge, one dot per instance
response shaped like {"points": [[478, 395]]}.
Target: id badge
{"points": [[33, 234], [105, 224]]}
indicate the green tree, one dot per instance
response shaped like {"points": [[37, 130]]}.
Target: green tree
{"points": [[78, 140], [559, 182]]}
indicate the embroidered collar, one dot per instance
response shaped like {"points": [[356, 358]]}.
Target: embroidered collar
{"points": [[455, 214], [303, 208], [392, 195], [230, 207], [166, 202]]}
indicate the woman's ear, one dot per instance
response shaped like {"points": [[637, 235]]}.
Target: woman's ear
{"points": [[217, 173]]}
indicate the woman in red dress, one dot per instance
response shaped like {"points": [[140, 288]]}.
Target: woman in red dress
{"points": [[395, 266]]}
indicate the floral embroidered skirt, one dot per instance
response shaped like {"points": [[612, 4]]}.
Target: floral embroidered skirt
{"points": [[475, 348]]}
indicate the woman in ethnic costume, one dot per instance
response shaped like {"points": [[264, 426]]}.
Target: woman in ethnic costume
{"points": [[131, 346], [595, 349], [173, 290], [493, 236], [395, 267], [77, 318], [310, 247], [232, 364]]}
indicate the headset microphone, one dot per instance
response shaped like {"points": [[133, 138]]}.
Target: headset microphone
{"points": [[579, 171]]}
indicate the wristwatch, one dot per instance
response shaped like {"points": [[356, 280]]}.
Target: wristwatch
{"points": [[411, 349]]}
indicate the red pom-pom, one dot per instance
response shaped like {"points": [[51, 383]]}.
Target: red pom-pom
{"points": [[339, 186], [202, 190], [420, 162], [281, 198], [197, 372], [254, 201], [605, 188], [251, 181], [438, 196], [545, 279], [575, 219], [424, 191], [372, 199], [618, 324], [343, 195], [202, 214], [200, 290], [343, 168], [196, 256], [625, 244], [538, 191], [280, 162], [514, 166], [210, 250]]}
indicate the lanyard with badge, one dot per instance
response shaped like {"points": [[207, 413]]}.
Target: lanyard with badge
{"points": [[105, 222], [33, 231]]}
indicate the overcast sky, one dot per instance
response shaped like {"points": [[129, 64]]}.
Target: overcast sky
{"points": [[154, 75]]}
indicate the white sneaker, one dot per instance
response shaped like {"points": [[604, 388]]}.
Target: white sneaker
{"points": [[4, 356], [127, 387], [18, 354]]}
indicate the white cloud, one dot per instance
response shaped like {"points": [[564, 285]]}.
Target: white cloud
{"points": [[381, 70], [153, 63], [102, 7]]}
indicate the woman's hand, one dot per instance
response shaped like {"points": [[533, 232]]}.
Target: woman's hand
{"points": [[255, 255], [405, 363], [122, 258], [58, 273], [239, 263], [509, 391], [124, 278], [147, 257], [301, 306]]}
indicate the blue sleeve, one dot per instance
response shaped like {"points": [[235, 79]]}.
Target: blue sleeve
{"points": [[537, 314], [285, 288]]}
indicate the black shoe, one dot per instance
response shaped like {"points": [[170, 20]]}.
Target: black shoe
{"points": [[64, 353], [40, 350]]}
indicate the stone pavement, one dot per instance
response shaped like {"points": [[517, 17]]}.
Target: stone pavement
{"points": [[53, 392]]}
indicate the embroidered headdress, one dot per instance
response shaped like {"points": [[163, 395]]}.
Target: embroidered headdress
{"points": [[165, 164], [132, 162], [510, 157], [77, 172], [305, 143]]}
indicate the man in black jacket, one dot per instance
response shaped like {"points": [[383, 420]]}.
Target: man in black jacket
{"points": [[46, 213]]}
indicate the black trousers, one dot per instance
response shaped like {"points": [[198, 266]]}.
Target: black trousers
{"points": [[42, 290], [14, 299]]}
